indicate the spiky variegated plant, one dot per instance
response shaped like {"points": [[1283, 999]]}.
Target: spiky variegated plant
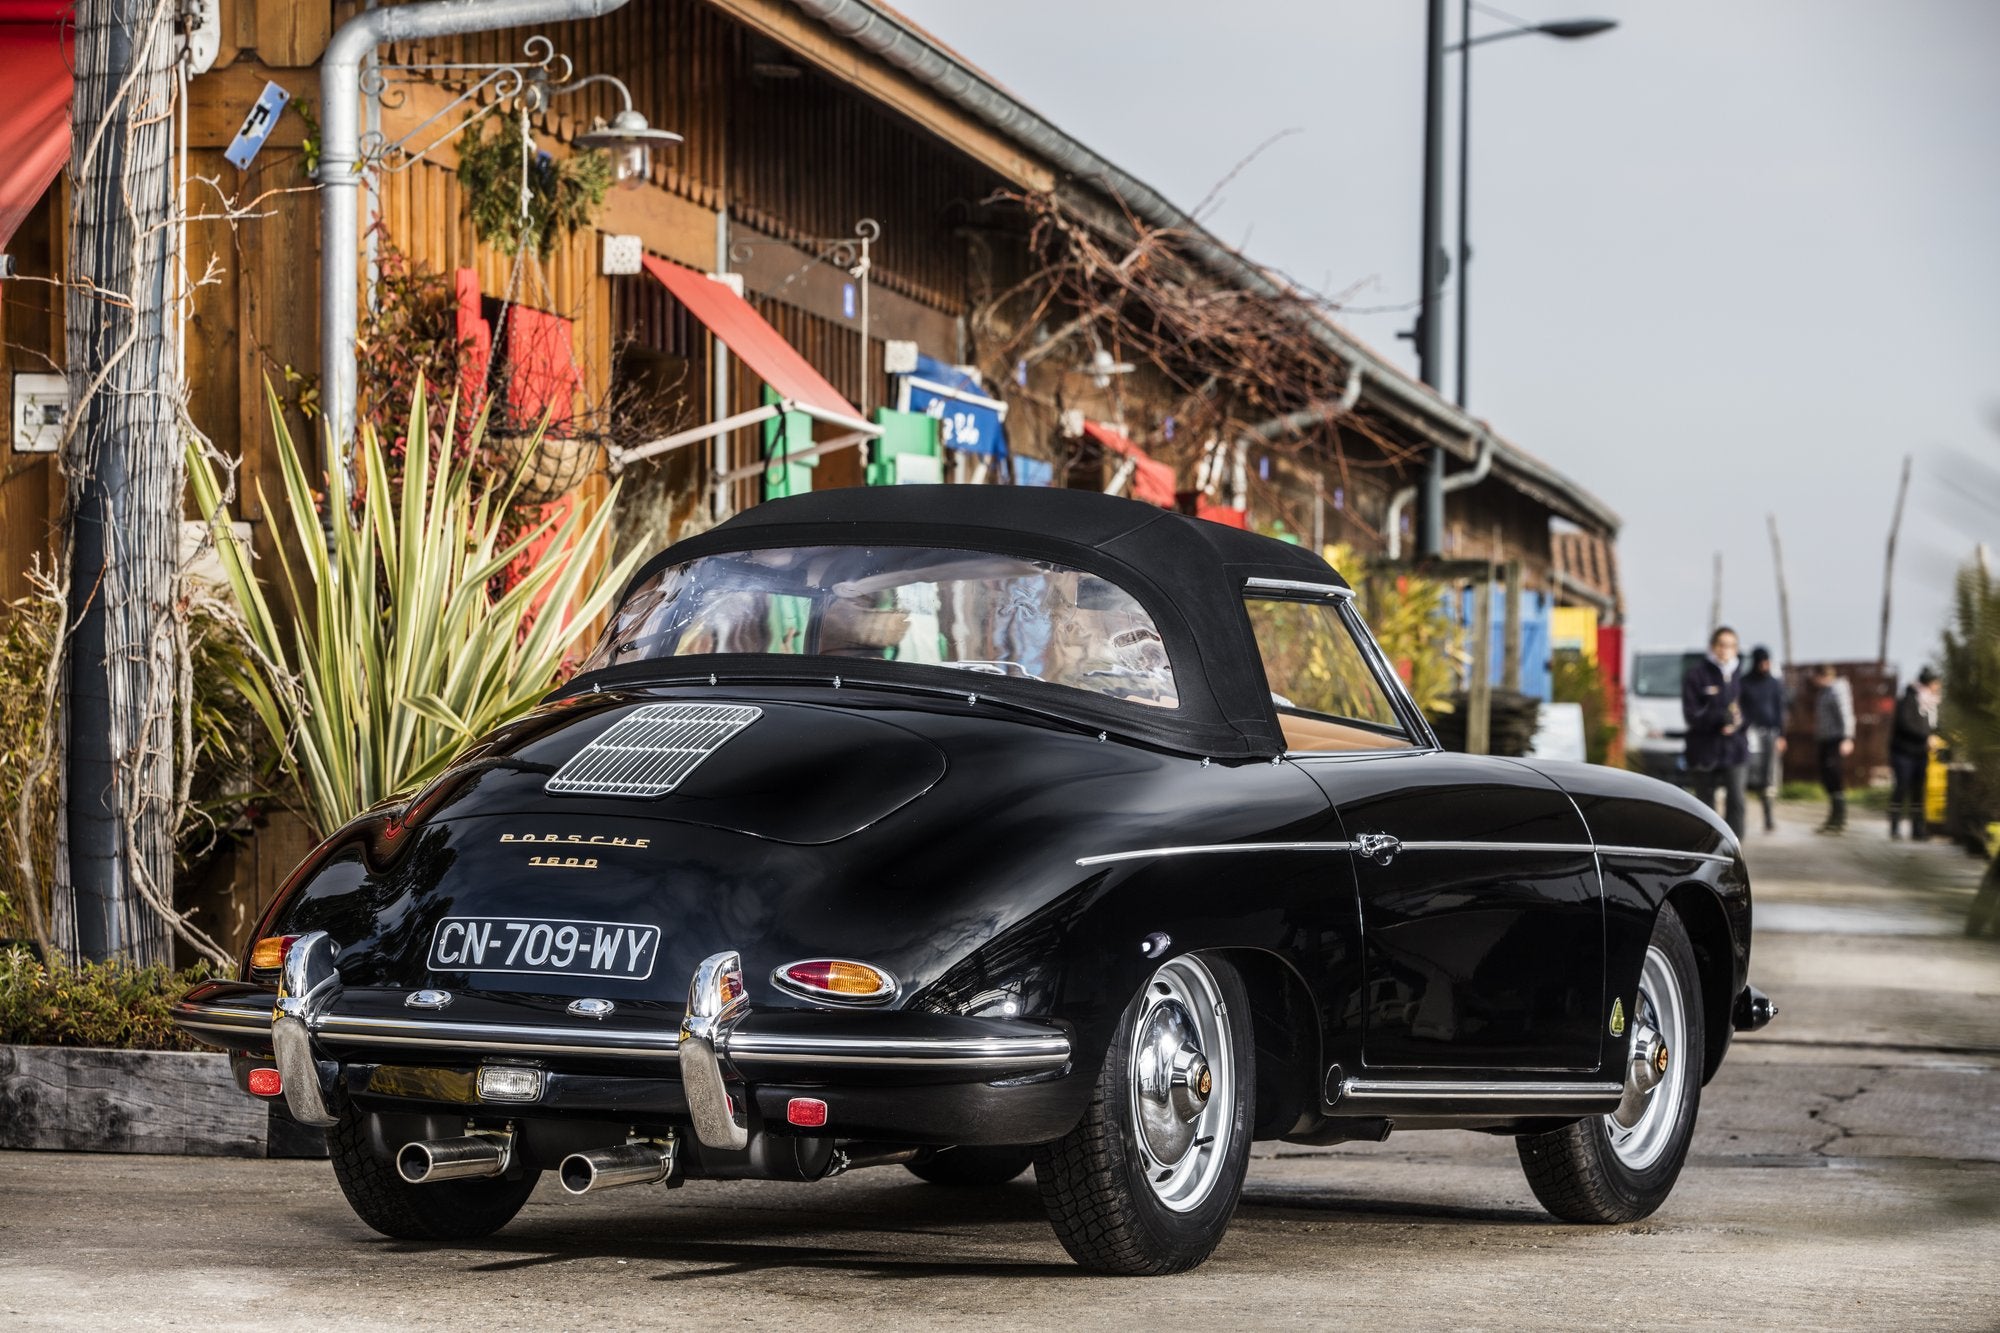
{"points": [[394, 653]]}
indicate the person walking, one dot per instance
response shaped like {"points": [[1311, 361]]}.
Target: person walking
{"points": [[1833, 729], [1910, 752], [1764, 701], [1718, 747]]}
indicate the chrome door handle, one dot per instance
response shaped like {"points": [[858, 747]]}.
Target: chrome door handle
{"points": [[1381, 848]]}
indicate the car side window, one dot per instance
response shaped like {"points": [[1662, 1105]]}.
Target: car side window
{"points": [[1327, 696]]}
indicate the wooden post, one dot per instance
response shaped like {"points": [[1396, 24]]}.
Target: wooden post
{"points": [[1479, 691], [1784, 595], [1510, 649], [1889, 563]]}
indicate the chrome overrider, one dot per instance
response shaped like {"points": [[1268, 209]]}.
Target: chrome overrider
{"points": [[716, 998], [308, 985], [714, 1036]]}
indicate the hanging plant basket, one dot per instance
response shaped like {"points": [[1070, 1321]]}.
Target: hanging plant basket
{"points": [[550, 465], [563, 197]]}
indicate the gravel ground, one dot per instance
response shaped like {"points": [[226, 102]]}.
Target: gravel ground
{"points": [[1846, 1174]]}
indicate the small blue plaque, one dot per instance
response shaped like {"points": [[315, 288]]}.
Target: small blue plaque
{"points": [[257, 126]]}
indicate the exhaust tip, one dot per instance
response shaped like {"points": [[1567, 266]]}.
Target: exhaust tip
{"points": [[414, 1163], [577, 1173]]}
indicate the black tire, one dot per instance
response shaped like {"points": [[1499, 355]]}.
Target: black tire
{"points": [[448, 1210], [1576, 1172], [1094, 1180], [972, 1168]]}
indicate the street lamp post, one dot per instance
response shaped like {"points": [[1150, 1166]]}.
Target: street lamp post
{"points": [[1426, 334], [1568, 30]]}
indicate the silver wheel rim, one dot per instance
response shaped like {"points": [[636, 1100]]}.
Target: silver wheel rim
{"points": [[1183, 1083], [1643, 1127]]}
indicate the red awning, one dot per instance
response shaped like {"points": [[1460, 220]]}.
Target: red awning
{"points": [[34, 104], [747, 333], [1152, 482]]}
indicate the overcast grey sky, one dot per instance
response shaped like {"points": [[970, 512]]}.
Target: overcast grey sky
{"points": [[1736, 256]]}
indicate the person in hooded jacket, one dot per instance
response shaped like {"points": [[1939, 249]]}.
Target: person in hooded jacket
{"points": [[1718, 746], [1910, 753], [1764, 702]]}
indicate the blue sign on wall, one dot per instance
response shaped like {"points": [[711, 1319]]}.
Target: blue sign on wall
{"points": [[969, 420]]}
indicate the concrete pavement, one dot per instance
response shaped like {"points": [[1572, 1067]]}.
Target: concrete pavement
{"points": [[1846, 1174]]}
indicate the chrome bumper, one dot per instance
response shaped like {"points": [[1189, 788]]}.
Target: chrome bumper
{"points": [[719, 1033]]}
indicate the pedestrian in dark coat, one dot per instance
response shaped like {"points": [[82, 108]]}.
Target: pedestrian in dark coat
{"points": [[1764, 702], [1833, 729], [1718, 747], [1910, 753]]}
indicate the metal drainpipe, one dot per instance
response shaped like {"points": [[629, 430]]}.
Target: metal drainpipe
{"points": [[340, 160], [1457, 481]]}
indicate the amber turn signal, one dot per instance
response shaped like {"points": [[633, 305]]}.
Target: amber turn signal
{"points": [[271, 950], [836, 979]]}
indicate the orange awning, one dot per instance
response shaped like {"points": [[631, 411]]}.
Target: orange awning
{"points": [[34, 104], [1152, 481], [749, 335]]}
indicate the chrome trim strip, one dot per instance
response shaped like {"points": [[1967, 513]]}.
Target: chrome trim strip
{"points": [[1717, 857], [1202, 849], [1437, 845], [1297, 585], [1387, 1089], [498, 1037], [1003, 1052], [1023, 1052], [1451, 845], [230, 1019]]}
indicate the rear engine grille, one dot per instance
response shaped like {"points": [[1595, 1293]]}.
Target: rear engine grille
{"points": [[651, 752]]}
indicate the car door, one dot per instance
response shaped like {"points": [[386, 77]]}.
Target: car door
{"points": [[1481, 909]]}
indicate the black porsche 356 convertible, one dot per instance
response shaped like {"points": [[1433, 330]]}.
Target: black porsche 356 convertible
{"points": [[969, 828]]}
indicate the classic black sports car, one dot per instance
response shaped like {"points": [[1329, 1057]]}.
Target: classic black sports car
{"points": [[974, 827]]}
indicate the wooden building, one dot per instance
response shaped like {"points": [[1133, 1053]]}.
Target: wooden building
{"points": [[800, 126]]}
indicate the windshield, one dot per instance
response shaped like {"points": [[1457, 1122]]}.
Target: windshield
{"points": [[1659, 675], [964, 610]]}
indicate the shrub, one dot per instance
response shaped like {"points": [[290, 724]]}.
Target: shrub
{"points": [[396, 648], [112, 1004]]}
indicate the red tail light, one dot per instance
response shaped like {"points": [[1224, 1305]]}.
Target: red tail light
{"points": [[836, 979]]}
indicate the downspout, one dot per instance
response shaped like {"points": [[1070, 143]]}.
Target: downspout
{"points": [[1456, 481], [1291, 424], [340, 161]]}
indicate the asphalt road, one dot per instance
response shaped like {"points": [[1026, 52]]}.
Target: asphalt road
{"points": [[1846, 1175]]}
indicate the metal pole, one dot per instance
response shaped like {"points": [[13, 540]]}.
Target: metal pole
{"points": [[340, 162], [1464, 182], [1432, 269]]}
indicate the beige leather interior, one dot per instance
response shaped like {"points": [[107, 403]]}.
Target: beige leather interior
{"points": [[1321, 734]]}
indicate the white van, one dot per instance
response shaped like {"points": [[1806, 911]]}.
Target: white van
{"points": [[1655, 731]]}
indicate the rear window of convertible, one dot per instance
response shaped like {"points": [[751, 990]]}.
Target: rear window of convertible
{"points": [[959, 610]]}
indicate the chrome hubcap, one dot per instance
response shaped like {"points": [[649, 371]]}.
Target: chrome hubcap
{"points": [[1644, 1124], [1182, 1083]]}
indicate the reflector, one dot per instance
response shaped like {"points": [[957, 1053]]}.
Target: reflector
{"points": [[266, 1082], [806, 1112]]}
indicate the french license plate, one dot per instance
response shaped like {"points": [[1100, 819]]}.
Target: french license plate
{"points": [[616, 949]]}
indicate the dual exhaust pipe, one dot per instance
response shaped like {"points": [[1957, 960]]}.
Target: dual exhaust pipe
{"points": [[486, 1154]]}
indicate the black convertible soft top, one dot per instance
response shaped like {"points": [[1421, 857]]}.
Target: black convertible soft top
{"points": [[1187, 572]]}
